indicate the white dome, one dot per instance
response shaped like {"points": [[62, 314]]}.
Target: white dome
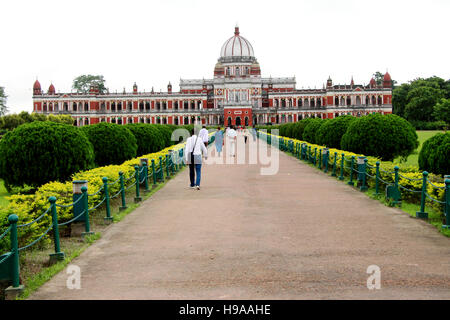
{"points": [[237, 46]]}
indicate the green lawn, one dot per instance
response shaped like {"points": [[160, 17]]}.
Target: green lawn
{"points": [[413, 159], [3, 194]]}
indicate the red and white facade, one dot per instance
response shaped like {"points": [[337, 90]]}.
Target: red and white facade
{"points": [[237, 94]]}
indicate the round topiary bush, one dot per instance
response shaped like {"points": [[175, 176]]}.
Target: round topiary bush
{"points": [[149, 139], [113, 143], [166, 133], [309, 133], [38, 152], [330, 132], [299, 128], [383, 136], [435, 154]]}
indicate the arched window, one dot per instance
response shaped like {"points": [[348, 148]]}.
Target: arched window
{"points": [[349, 101], [113, 107], [147, 105], [374, 100], [50, 107], [283, 103], [336, 101], [113, 120], [319, 102], [74, 106], [306, 102], [141, 106], [86, 121], [86, 106], [66, 106], [44, 107], [237, 72], [380, 101], [102, 106], [300, 103], [313, 103], [358, 100], [228, 71], [246, 70], [119, 106]]}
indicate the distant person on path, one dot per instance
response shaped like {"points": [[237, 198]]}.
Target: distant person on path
{"points": [[246, 134], [231, 135], [254, 132], [203, 134], [218, 140], [193, 152]]}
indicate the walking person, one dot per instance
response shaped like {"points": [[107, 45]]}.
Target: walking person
{"points": [[246, 134], [203, 134], [218, 140], [254, 132], [231, 136], [193, 152]]}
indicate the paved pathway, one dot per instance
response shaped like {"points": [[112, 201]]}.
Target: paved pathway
{"points": [[295, 235]]}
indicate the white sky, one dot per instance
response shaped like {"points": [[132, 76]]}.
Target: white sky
{"points": [[154, 42]]}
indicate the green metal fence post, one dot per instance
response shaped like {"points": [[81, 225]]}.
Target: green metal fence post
{"points": [[447, 204], [16, 288], [377, 178], [351, 183], [364, 186], [145, 164], [136, 174], [422, 214], [167, 167], [161, 169], [108, 217], [320, 159], [58, 255], [122, 192], [333, 174], [315, 156], [325, 159], [396, 183], [341, 177], [153, 174], [87, 225]]}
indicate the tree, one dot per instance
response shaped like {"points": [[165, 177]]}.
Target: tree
{"points": [[3, 107], [400, 99], [378, 78], [82, 83], [422, 99], [441, 111]]}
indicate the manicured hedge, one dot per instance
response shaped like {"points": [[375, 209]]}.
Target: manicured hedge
{"points": [[42, 151], [383, 136], [309, 133], [435, 154], [330, 132], [149, 139], [113, 143]]}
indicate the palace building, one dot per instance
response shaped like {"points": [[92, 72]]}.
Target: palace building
{"points": [[237, 94]]}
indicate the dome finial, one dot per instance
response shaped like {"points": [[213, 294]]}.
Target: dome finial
{"points": [[236, 30]]}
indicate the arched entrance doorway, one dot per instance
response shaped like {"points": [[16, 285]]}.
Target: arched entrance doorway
{"points": [[229, 121], [246, 121], [238, 121]]}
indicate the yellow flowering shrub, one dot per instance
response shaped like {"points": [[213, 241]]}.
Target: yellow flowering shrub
{"points": [[30, 207]]}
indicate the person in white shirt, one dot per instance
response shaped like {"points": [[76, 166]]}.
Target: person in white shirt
{"points": [[232, 134], [193, 152], [203, 134]]}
